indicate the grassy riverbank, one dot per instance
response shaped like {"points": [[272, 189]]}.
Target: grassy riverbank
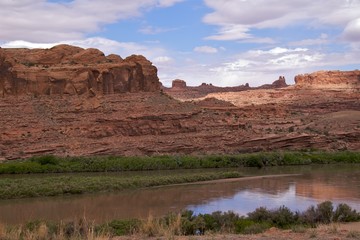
{"points": [[52, 176], [53, 164], [188, 224], [53, 185]]}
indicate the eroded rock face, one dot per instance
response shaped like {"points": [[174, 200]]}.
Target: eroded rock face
{"points": [[66, 69], [329, 79]]}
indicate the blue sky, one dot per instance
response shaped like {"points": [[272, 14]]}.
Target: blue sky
{"points": [[223, 42]]}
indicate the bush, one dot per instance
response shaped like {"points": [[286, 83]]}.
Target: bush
{"points": [[344, 213], [325, 212], [242, 224], [309, 217], [261, 214], [45, 160], [283, 217], [123, 227]]}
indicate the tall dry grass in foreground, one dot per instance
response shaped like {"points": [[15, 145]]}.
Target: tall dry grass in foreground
{"points": [[187, 223], [81, 229]]}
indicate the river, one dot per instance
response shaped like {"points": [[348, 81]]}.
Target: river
{"points": [[308, 186]]}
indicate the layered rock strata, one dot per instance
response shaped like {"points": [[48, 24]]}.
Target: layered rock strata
{"points": [[71, 70]]}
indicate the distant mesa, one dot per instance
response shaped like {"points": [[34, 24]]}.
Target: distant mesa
{"points": [[178, 83], [66, 69]]}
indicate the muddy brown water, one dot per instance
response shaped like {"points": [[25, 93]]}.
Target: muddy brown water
{"points": [[308, 186]]}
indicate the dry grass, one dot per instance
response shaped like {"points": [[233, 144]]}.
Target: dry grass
{"points": [[154, 227], [78, 230]]}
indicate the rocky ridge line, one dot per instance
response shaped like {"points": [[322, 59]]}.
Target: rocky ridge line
{"points": [[66, 69]]}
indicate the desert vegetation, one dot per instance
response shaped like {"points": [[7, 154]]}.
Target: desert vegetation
{"points": [[53, 176], [187, 223], [53, 185], [53, 164]]}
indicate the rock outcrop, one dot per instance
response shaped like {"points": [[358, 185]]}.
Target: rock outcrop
{"points": [[329, 79], [178, 83], [66, 69], [280, 83], [180, 89]]}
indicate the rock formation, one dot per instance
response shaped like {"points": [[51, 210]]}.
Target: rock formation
{"points": [[65, 121], [180, 89], [178, 83], [329, 79], [71, 70], [280, 83]]}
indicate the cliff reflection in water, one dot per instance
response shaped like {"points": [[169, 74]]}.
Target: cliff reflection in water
{"points": [[296, 192]]}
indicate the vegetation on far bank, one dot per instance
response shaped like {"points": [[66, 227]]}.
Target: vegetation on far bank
{"points": [[26, 185], [53, 164], [54, 185], [187, 224]]}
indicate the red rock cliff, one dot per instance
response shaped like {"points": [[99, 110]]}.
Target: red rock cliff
{"points": [[66, 69], [328, 79]]}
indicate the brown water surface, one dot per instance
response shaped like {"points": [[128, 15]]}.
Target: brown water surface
{"points": [[314, 184]]}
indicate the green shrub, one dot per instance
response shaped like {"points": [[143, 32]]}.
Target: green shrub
{"points": [[242, 224], [344, 213], [261, 214], [123, 227], [51, 164], [45, 160], [283, 217], [325, 212], [309, 217]]}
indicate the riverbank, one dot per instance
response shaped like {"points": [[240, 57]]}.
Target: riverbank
{"points": [[54, 164], [318, 222], [53, 176], [323, 232], [27, 186]]}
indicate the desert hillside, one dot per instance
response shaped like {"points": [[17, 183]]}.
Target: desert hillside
{"points": [[72, 101]]}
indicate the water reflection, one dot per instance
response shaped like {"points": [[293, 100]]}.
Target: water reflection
{"points": [[296, 192]]}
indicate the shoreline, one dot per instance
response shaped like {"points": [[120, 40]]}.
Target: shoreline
{"points": [[322, 232], [228, 180]]}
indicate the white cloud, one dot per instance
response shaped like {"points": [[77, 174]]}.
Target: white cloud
{"points": [[236, 18], [168, 3], [162, 60], [42, 21], [231, 32], [352, 31], [274, 60], [108, 46], [150, 30], [277, 51], [205, 49], [322, 40], [25, 44]]}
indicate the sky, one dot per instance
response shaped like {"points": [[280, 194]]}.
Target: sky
{"points": [[223, 42]]}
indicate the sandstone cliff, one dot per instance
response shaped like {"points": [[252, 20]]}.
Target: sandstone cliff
{"points": [[71, 70], [329, 79]]}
